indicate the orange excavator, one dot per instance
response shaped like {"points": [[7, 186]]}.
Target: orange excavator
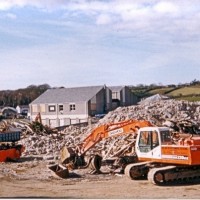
{"points": [[157, 156], [162, 160], [75, 157], [9, 150]]}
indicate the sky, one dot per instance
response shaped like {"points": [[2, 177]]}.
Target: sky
{"points": [[74, 43]]}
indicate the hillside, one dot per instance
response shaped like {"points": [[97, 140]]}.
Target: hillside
{"points": [[189, 92]]}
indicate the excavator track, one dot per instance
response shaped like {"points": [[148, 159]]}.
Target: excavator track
{"points": [[137, 170], [174, 174]]}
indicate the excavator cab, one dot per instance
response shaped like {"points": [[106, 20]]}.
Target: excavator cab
{"points": [[162, 160], [150, 140]]}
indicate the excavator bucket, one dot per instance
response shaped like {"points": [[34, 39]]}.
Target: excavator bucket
{"points": [[66, 155], [59, 171]]}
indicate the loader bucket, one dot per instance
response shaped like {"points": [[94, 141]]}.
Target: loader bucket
{"points": [[59, 171]]}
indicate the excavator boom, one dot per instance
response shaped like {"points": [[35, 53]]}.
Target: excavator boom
{"points": [[111, 130], [99, 133]]}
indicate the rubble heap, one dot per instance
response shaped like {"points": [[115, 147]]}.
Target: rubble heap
{"points": [[49, 145], [182, 116]]}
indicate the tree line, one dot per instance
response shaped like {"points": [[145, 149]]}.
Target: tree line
{"points": [[21, 96], [27, 95]]}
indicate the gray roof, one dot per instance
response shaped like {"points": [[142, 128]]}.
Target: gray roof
{"points": [[64, 95], [8, 108]]}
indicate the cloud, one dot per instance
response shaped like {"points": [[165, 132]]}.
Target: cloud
{"points": [[11, 16], [103, 19], [176, 21], [8, 16], [8, 4], [166, 7], [178, 18], [44, 4]]}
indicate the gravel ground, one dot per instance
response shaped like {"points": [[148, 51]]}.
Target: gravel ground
{"points": [[31, 178]]}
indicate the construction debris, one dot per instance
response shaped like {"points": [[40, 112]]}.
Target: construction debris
{"points": [[182, 116]]}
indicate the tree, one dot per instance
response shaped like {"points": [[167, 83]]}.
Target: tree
{"points": [[22, 96]]}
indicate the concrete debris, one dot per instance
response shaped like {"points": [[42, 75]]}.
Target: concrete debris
{"points": [[180, 116], [156, 97]]}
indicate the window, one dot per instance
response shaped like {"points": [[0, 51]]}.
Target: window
{"points": [[60, 108], [148, 140], [52, 108], [144, 138], [72, 107], [165, 137], [34, 108], [42, 108]]}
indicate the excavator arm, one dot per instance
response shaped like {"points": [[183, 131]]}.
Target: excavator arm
{"points": [[99, 133], [111, 130]]}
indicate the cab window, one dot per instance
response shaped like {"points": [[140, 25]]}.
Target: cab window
{"points": [[165, 137], [148, 140]]}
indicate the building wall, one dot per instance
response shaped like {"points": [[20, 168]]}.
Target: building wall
{"points": [[101, 103], [108, 99], [97, 103], [124, 97], [52, 114], [128, 98], [72, 108]]}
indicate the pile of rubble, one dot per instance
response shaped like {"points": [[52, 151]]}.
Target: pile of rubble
{"points": [[181, 116], [49, 145]]}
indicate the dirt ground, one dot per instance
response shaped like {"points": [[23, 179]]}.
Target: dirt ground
{"points": [[32, 179]]}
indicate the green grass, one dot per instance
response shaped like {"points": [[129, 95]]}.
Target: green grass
{"points": [[189, 93], [189, 98], [185, 91], [161, 90]]}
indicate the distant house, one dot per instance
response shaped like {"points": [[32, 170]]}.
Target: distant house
{"points": [[65, 106], [122, 96], [22, 109]]}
